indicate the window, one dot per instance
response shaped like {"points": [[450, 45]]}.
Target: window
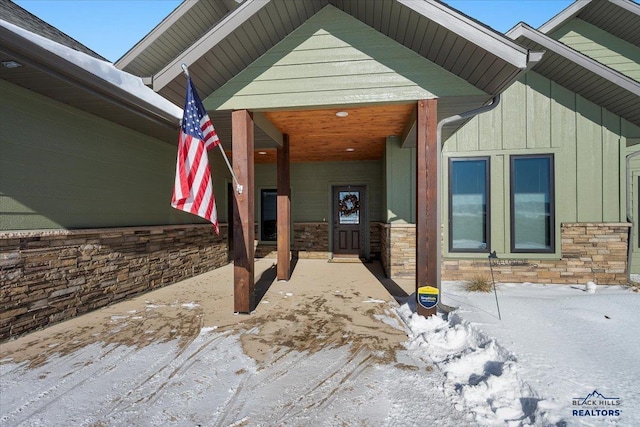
{"points": [[468, 208], [268, 211], [532, 204]]}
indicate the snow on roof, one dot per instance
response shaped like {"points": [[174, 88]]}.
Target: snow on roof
{"points": [[101, 69]]}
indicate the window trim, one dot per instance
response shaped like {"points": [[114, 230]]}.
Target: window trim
{"points": [[487, 173], [552, 204]]}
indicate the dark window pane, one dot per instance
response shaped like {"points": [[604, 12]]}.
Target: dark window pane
{"points": [[269, 226], [469, 183], [532, 204]]}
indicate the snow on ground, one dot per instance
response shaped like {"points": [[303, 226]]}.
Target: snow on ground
{"points": [[553, 347], [560, 356]]}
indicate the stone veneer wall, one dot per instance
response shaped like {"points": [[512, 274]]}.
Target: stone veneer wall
{"points": [[399, 250], [311, 240], [590, 252], [53, 275]]}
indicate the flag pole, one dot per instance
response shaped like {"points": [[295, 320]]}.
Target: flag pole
{"points": [[239, 187]]}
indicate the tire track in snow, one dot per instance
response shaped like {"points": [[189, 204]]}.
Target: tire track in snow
{"points": [[88, 371], [172, 362], [155, 370]]}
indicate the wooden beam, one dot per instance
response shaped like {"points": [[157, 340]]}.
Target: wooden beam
{"points": [[427, 227], [408, 137], [284, 211], [243, 213], [268, 128]]}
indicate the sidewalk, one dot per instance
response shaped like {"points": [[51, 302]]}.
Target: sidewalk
{"points": [[331, 298]]}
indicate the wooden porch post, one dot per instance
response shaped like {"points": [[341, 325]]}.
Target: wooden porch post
{"points": [[284, 211], [243, 213], [427, 227]]}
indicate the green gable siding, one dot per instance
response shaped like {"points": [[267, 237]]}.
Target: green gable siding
{"points": [[538, 116], [334, 59], [63, 168], [602, 46]]}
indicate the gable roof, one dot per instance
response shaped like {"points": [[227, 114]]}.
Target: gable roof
{"points": [[444, 36], [85, 82], [620, 18], [587, 77], [457, 44], [335, 59]]}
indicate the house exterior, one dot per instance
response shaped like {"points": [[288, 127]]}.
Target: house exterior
{"points": [[562, 136], [87, 157], [397, 130]]}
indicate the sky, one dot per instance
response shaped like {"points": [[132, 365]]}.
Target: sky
{"points": [[112, 27]]}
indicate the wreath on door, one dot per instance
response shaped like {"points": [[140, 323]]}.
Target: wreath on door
{"points": [[349, 205]]}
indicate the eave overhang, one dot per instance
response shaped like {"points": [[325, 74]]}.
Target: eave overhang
{"points": [[618, 17], [54, 75], [583, 75], [446, 37]]}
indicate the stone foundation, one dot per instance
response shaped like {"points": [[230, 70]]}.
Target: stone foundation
{"points": [[311, 240], [399, 250], [53, 275], [590, 252]]}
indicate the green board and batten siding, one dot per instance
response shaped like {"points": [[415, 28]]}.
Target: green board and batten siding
{"points": [[89, 172], [602, 46], [538, 116], [400, 182], [340, 61], [633, 147]]}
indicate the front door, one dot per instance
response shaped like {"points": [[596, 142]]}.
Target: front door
{"points": [[349, 220]]}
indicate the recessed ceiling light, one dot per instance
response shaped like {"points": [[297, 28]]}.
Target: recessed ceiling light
{"points": [[262, 153], [351, 149], [342, 114], [11, 64]]}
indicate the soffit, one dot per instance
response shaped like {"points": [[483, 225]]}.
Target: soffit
{"points": [[188, 22], [456, 43], [335, 59], [460, 45], [48, 74], [578, 73], [620, 18]]}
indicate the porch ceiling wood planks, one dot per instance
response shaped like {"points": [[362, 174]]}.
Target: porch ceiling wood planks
{"points": [[319, 135]]}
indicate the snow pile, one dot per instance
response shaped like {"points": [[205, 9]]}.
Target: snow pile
{"points": [[481, 375]]}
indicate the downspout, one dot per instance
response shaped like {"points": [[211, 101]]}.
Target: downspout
{"points": [[442, 123], [629, 213]]}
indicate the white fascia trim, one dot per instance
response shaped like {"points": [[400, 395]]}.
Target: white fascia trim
{"points": [[465, 27], [214, 36]]}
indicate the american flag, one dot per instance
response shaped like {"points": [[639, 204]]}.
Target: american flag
{"points": [[193, 190]]}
